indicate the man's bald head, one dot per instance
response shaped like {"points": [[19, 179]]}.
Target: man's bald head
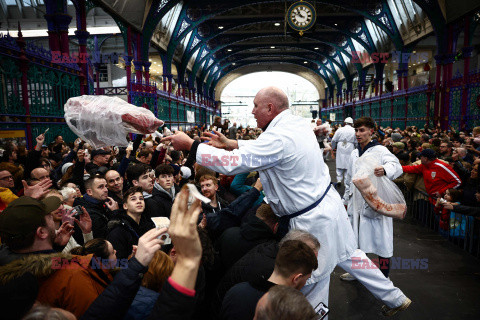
{"points": [[268, 103], [275, 96]]}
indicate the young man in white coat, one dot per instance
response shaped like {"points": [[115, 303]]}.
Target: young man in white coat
{"points": [[373, 231], [343, 143], [297, 191]]}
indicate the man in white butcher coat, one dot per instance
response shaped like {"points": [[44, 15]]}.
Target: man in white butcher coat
{"points": [[344, 142], [373, 231], [296, 183]]}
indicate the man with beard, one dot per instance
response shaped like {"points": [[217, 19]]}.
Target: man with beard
{"points": [[209, 187], [114, 185], [98, 204], [27, 227]]}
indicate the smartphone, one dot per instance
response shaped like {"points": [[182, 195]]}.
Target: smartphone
{"points": [[322, 310], [77, 211]]}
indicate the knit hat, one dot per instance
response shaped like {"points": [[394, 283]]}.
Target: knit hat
{"points": [[26, 214], [428, 153], [176, 169], [396, 137], [399, 145]]}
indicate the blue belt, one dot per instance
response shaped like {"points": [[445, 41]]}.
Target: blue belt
{"points": [[284, 221]]}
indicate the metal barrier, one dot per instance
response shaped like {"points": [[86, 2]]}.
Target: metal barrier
{"points": [[463, 231]]}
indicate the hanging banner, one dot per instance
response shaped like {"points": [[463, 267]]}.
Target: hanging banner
{"points": [[332, 117], [190, 116]]}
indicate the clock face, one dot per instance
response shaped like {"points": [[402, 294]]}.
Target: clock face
{"points": [[301, 16]]}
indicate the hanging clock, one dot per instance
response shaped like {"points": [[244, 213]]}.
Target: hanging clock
{"points": [[301, 16]]}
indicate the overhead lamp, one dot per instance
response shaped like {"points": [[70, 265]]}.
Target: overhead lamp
{"points": [[229, 50], [277, 24], [336, 24], [220, 27], [305, 62], [272, 47], [316, 48], [233, 64]]}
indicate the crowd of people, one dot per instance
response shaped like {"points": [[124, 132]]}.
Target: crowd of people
{"points": [[116, 233]]}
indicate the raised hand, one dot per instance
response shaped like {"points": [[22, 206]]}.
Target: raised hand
{"points": [[218, 140], [148, 244], [111, 204], [85, 222], [180, 141], [63, 234], [37, 191]]}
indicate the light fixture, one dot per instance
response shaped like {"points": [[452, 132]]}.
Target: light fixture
{"points": [[316, 48], [414, 51], [336, 24], [277, 24], [272, 47], [305, 62], [220, 27], [233, 64], [229, 50]]}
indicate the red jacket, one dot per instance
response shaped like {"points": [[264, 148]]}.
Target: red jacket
{"points": [[438, 176]]}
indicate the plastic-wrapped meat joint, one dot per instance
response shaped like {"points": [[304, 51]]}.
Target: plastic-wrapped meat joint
{"points": [[380, 193], [105, 121]]}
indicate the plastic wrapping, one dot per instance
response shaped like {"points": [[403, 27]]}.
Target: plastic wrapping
{"points": [[380, 193], [105, 121]]}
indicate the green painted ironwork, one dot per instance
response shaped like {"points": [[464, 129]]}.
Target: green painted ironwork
{"points": [[473, 110], [49, 90], [417, 109], [398, 115], [54, 129], [10, 87]]}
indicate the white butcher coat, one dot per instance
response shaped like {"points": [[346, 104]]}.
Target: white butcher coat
{"points": [[294, 177], [344, 141], [373, 231]]}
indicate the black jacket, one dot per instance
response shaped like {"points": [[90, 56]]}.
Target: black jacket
{"points": [[124, 232], [207, 208], [99, 214], [235, 242], [164, 202], [241, 300], [258, 262]]}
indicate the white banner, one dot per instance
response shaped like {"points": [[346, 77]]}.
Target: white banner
{"points": [[332, 116], [190, 116]]}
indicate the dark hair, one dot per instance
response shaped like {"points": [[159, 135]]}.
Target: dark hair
{"points": [[135, 171], [98, 246], [144, 153], [163, 169], [295, 256], [175, 155], [131, 191], [403, 156], [364, 121], [89, 182], [455, 194]]}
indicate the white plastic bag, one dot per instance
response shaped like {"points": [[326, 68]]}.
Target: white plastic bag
{"points": [[105, 121], [380, 193]]}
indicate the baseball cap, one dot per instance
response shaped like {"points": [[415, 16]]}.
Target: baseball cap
{"points": [[186, 172], [348, 120], [25, 214], [428, 153], [99, 152]]}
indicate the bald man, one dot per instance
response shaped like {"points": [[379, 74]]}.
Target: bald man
{"points": [[296, 183]]}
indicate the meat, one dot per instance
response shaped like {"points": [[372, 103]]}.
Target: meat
{"points": [[369, 193], [142, 123], [105, 121]]}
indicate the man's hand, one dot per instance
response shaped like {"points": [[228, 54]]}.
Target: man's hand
{"points": [[76, 144], [258, 185], [37, 191], [148, 244], [180, 141], [379, 171], [218, 140], [111, 204], [85, 222], [40, 140], [63, 234]]}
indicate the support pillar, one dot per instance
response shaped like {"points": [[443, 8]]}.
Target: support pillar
{"points": [[82, 36], [447, 72], [138, 64], [128, 69], [24, 65], [146, 71], [438, 88], [467, 54]]}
